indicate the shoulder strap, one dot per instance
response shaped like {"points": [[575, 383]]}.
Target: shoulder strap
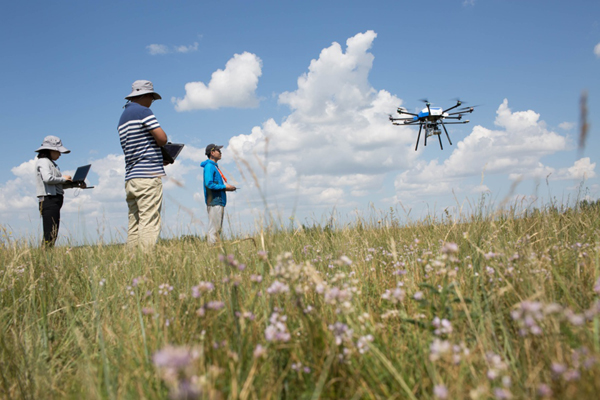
{"points": [[222, 176]]}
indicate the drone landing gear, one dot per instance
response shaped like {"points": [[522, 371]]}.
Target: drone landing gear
{"points": [[419, 136], [448, 136], [431, 130]]}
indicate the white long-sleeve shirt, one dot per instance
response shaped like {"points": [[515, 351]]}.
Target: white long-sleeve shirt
{"points": [[49, 180]]}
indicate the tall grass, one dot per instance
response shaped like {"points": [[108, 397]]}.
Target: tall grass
{"points": [[491, 306]]}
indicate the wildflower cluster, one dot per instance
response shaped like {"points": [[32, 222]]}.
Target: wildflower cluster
{"points": [[498, 375], [164, 289], [292, 276], [444, 350], [395, 295], [177, 368], [298, 367], [201, 288], [581, 359], [211, 305], [441, 265], [530, 315], [277, 330], [441, 326], [232, 262]]}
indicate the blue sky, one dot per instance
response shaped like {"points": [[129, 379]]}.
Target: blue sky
{"points": [[316, 81]]}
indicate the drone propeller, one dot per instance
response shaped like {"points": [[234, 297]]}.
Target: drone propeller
{"points": [[425, 101], [466, 110]]}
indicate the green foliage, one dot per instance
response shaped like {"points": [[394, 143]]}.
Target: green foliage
{"points": [[495, 304]]}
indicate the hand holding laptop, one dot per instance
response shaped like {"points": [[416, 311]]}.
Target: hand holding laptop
{"points": [[79, 177], [170, 151]]}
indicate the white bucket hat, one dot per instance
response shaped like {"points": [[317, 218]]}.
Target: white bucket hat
{"points": [[53, 143], [141, 87]]}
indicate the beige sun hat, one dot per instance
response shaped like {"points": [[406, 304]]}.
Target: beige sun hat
{"points": [[53, 143], [142, 87]]}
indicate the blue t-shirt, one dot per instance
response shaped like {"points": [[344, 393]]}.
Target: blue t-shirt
{"points": [[143, 158], [214, 186]]}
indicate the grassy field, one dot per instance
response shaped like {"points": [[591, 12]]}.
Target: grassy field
{"points": [[493, 306]]}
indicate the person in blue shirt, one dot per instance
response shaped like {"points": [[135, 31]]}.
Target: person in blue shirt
{"points": [[215, 186]]}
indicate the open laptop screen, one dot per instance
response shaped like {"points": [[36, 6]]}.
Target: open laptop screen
{"points": [[81, 173], [170, 151]]}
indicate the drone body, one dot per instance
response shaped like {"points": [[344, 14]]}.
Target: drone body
{"points": [[431, 118]]}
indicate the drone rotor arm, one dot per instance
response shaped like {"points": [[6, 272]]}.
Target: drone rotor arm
{"points": [[460, 112], [407, 113], [458, 103]]}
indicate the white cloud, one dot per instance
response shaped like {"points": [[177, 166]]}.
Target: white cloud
{"points": [[480, 189], [581, 170], [155, 49], [597, 50], [567, 126], [18, 194], [337, 142], [235, 86], [514, 150], [187, 49], [161, 49], [192, 153]]}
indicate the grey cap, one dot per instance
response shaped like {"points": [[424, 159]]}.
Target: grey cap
{"points": [[140, 88], [53, 143], [210, 148]]}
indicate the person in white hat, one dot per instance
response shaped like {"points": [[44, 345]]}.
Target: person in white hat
{"points": [[50, 185], [141, 139]]}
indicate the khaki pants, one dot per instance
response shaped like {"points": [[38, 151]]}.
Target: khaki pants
{"points": [[144, 199], [215, 223]]}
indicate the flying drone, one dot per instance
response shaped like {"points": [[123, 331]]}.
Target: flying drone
{"points": [[431, 118]]}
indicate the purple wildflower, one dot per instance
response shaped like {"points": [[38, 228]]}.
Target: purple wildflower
{"points": [[450, 248], [215, 305], [438, 348], [440, 391], [173, 357], [544, 390], [393, 295], [277, 330], [278, 288], [259, 351], [442, 326]]}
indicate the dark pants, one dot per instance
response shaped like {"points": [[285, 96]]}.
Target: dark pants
{"points": [[50, 211]]}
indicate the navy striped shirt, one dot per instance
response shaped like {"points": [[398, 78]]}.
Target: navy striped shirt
{"points": [[143, 158]]}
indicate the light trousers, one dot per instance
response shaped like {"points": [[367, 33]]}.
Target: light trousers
{"points": [[144, 199], [215, 223]]}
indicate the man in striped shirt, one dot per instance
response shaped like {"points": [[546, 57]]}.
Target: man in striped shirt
{"points": [[141, 138]]}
